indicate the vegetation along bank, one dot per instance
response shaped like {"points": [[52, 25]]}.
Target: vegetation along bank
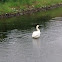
{"points": [[10, 8]]}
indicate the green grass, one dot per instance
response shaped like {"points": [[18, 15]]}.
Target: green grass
{"points": [[12, 6]]}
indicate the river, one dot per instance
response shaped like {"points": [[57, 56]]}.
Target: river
{"points": [[17, 45]]}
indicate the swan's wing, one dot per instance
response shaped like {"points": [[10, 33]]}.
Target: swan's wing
{"points": [[36, 34]]}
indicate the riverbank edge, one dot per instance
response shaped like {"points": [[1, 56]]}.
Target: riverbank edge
{"points": [[30, 11]]}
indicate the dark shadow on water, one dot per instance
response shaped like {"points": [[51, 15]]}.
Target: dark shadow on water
{"points": [[23, 23]]}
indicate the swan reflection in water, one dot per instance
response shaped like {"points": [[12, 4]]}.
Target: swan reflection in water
{"points": [[37, 48], [36, 43]]}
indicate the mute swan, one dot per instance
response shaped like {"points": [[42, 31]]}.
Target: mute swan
{"points": [[36, 34]]}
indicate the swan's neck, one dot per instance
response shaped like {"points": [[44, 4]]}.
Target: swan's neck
{"points": [[37, 29]]}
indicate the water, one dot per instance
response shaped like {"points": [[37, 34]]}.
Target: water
{"points": [[17, 45]]}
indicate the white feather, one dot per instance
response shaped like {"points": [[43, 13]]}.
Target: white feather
{"points": [[36, 34]]}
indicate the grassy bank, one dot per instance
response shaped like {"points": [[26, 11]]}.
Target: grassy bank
{"points": [[14, 6]]}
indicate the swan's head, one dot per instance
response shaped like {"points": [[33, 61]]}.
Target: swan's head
{"points": [[37, 26]]}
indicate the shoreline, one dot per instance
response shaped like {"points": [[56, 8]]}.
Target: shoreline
{"points": [[30, 11]]}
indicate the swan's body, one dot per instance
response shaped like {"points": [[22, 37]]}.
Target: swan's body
{"points": [[36, 34]]}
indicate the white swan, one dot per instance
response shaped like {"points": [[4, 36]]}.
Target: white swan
{"points": [[36, 34]]}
